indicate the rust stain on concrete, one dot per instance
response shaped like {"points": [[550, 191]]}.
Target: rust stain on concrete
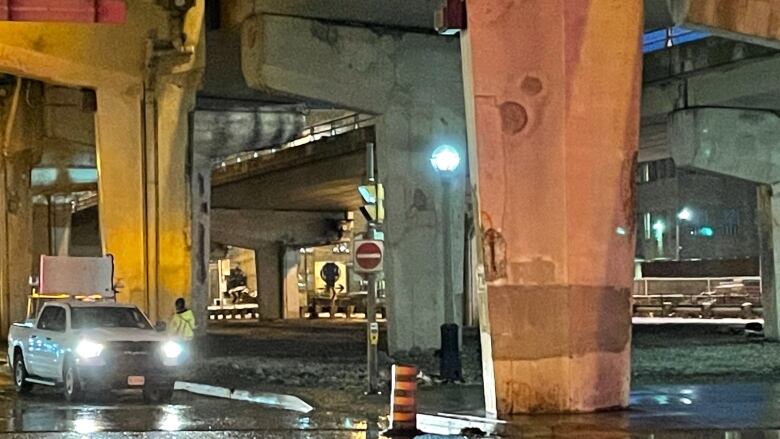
{"points": [[531, 85], [514, 117], [494, 248]]}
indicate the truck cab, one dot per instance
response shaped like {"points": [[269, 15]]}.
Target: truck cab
{"points": [[94, 347], [83, 340]]}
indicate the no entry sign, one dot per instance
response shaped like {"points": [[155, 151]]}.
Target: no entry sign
{"points": [[368, 256]]}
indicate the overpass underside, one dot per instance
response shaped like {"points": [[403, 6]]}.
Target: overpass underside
{"points": [[277, 204]]}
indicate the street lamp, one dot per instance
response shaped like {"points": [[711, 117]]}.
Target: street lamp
{"points": [[685, 214], [445, 160], [659, 228]]}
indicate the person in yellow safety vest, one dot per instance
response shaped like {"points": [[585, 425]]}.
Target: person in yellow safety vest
{"points": [[182, 323]]}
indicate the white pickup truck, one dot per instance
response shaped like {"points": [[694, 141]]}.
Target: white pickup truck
{"points": [[93, 346]]}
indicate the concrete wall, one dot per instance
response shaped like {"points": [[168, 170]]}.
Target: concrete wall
{"points": [[414, 82]]}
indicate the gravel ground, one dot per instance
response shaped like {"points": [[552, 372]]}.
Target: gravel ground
{"points": [[322, 353], [309, 357], [701, 354]]}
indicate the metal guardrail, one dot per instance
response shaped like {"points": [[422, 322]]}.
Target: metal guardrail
{"points": [[642, 286], [240, 163], [716, 297]]}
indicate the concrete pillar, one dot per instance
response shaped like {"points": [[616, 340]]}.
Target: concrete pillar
{"points": [[751, 21], [199, 181], [413, 80], [292, 297], [60, 228], [768, 203], [268, 258], [144, 162], [146, 213], [553, 103], [19, 140]]}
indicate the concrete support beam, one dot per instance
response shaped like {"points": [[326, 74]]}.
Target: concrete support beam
{"points": [[222, 133], [268, 258], [249, 228], [742, 84], [734, 142], [553, 89], [414, 82], [19, 139], [768, 208], [199, 181], [292, 297], [752, 21], [743, 144]]}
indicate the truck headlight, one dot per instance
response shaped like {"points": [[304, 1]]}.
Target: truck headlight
{"points": [[88, 349], [172, 349]]}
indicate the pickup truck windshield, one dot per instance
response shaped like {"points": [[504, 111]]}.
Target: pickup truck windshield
{"points": [[105, 317]]}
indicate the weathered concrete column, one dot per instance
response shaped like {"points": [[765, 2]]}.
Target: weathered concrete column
{"points": [[713, 140], [553, 93], [268, 258], [413, 80], [768, 202], [60, 228], [292, 298], [142, 146], [751, 21], [18, 141]]}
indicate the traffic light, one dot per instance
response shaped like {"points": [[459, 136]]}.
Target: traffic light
{"points": [[373, 208]]}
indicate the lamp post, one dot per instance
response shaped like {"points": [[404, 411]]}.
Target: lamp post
{"points": [[684, 215], [445, 160]]}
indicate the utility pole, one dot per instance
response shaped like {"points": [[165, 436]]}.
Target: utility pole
{"points": [[373, 197]]}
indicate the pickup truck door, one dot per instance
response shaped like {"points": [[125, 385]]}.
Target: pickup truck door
{"points": [[48, 339]]}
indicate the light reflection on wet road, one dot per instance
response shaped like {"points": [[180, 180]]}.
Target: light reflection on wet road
{"points": [[46, 411], [673, 412]]}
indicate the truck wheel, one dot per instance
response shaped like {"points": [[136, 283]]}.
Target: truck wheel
{"points": [[158, 394], [20, 375], [72, 386]]}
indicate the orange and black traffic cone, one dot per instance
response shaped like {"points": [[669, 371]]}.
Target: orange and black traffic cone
{"points": [[403, 402]]}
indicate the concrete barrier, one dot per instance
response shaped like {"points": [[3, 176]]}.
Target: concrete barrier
{"points": [[277, 400]]}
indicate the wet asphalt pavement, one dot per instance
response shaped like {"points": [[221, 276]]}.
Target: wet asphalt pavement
{"points": [[726, 410], [743, 411], [126, 415]]}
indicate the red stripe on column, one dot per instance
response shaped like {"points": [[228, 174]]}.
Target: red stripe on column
{"points": [[111, 11], [78, 11], [4, 15]]}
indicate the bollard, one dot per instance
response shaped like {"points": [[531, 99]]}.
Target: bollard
{"points": [[747, 310], [706, 310], [403, 402]]}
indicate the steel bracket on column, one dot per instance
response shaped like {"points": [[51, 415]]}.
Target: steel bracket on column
{"points": [[76, 11]]}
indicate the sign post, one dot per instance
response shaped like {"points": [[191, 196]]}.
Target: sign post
{"points": [[369, 259]]}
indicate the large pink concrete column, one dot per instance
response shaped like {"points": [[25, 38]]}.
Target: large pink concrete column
{"points": [[553, 92]]}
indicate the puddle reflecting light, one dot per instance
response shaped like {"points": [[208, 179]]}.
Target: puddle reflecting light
{"points": [[85, 425], [304, 422], [171, 420]]}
